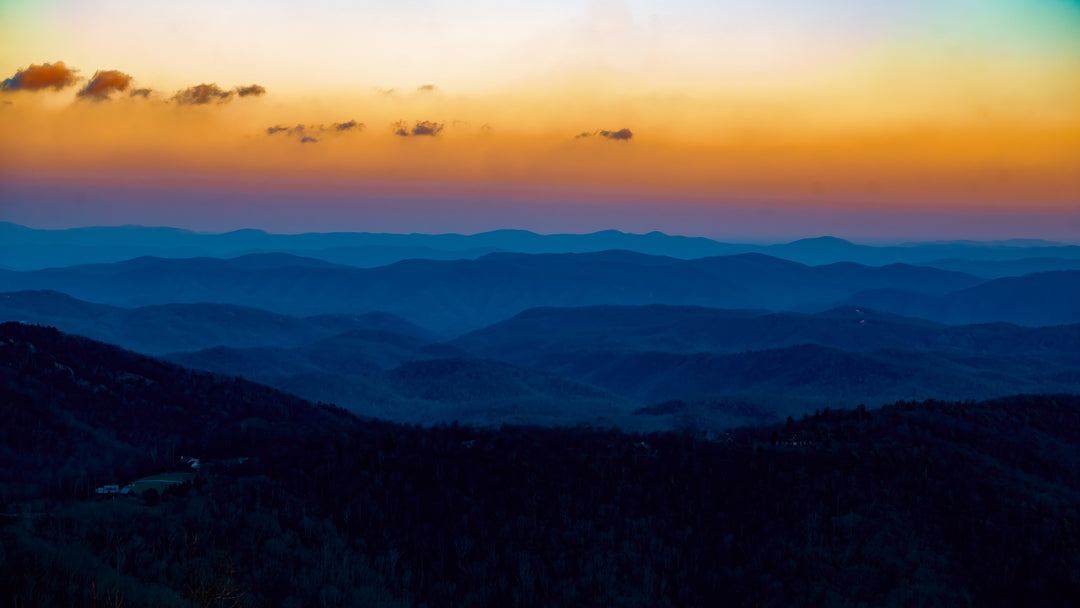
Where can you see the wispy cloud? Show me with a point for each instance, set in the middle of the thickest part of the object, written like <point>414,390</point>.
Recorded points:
<point>348,126</point>
<point>310,134</point>
<point>253,89</point>
<point>420,128</point>
<point>103,83</point>
<point>620,135</point>
<point>37,77</point>
<point>144,93</point>
<point>202,94</point>
<point>298,130</point>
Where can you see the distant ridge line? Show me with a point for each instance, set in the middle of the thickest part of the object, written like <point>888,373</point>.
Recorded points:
<point>24,248</point>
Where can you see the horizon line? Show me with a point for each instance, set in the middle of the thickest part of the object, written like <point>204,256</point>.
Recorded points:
<point>761,241</point>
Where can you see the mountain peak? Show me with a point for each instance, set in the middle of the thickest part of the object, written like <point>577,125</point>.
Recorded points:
<point>246,232</point>
<point>823,240</point>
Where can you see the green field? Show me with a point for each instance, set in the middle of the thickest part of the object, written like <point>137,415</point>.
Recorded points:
<point>159,482</point>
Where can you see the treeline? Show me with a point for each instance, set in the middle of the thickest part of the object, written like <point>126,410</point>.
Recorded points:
<point>916,504</point>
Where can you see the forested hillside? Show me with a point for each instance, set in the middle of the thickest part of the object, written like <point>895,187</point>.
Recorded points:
<point>922,504</point>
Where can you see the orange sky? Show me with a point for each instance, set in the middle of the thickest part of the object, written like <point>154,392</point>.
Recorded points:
<point>985,116</point>
<point>678,147</point>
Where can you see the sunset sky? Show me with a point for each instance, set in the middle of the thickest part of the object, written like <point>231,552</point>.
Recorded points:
<point>741,120</point>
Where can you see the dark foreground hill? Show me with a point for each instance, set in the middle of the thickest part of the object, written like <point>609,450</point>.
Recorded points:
<point>929,504</point>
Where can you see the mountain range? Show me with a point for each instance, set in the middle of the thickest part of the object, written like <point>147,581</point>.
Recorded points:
<point>23,248</point>
<point>845,356</point>
<point>622,337</point>
<point>599,364</point>
<point>454,296</point>
<point>536,334</point>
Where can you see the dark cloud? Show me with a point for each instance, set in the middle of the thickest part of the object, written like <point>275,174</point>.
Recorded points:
<point>298,130</point>
<point>422,127</point>
<point>352,125</point>
<point>250,90</point>
<point>427,88</point>
<point>620,135</point>
<point>427,128</point>
<point>310,134</point>
<point>103,83</point>
<point>144,93</point>
<point>37,77</point>
<point>201,94</point>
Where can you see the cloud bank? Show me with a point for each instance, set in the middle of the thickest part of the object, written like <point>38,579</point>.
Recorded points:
<point>37,77</point>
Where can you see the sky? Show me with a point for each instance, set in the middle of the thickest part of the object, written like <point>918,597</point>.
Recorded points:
<point>759,120</point>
